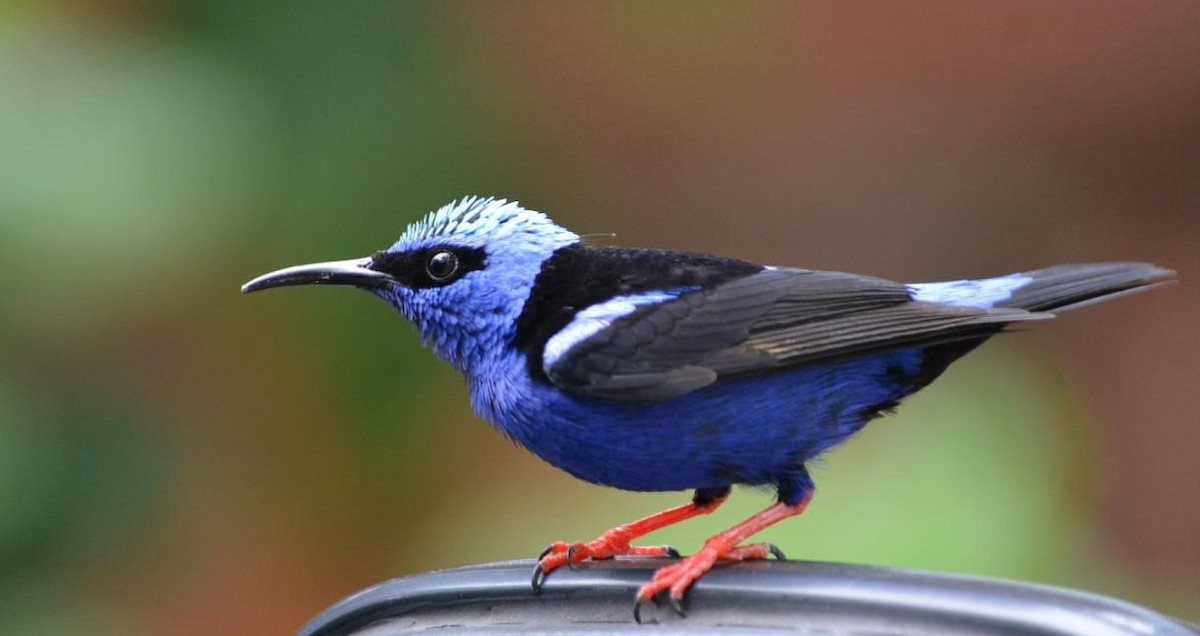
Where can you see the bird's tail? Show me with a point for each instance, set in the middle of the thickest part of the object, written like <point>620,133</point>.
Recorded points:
<point>1064,287</point>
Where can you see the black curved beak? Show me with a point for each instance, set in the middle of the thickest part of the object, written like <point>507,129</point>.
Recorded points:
<point>352,273</point>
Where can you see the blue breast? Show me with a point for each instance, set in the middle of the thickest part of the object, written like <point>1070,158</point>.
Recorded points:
<point>756,430</point>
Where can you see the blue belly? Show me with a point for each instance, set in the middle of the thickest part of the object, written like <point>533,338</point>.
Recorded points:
<point>757,430</point>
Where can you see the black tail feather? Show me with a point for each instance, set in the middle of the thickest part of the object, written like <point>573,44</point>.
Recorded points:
<point>1065,287</point>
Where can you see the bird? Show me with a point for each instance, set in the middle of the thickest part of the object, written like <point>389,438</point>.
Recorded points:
<point>656,370</point>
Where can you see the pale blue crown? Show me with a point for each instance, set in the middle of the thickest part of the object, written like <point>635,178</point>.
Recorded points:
<point>479,221</point>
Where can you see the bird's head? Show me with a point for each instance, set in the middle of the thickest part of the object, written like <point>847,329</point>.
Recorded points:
<point>461,275</point>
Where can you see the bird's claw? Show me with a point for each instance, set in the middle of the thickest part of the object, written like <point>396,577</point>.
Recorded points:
<point>561,553</point>
<point>547,550</point>
<point>637,610</point>
<point>556,555</point>
<point>674,602</point>
<point>754,552</point>
<point>571,551</point>
<point>539,577</point>
<point>543,569</point>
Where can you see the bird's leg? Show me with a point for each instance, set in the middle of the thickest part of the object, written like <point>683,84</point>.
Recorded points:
<point>615,542</point>
<point>678,577</point>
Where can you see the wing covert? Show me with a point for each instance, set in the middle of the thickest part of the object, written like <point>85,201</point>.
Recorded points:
<point>778,317</point>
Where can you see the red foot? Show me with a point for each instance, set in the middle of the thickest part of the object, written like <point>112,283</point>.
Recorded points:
<point>676,578</point>
<point>754,552</point>
<point>615,542</point>
<point>609,545</point>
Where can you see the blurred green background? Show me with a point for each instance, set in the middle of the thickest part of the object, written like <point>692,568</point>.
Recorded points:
<point>176,458</point>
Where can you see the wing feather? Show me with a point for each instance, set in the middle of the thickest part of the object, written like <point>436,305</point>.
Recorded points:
<point>774,318</point>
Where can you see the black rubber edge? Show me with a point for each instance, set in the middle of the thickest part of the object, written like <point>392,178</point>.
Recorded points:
<point>741,598</point>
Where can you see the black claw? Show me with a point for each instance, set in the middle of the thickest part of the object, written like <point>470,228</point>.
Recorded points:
<point>671,552</point>
<point>638,602</point>
<point>677,605</point>
<point>571,556</point>
<point>774,549</point>
<point>539,577</point>
<point>548,550</point>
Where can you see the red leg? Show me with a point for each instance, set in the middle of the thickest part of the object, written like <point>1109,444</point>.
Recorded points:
<point>679,576</point>
<point>615,542</point>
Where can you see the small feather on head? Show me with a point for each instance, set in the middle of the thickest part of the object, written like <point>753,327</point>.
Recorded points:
<point>477,218</point>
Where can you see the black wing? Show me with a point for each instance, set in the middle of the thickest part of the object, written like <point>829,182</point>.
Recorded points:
<point>756,323</point>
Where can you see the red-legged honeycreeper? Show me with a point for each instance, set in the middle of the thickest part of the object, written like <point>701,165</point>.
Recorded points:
<point>653,370</point>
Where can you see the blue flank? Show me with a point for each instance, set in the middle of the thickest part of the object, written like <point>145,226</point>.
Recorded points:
<point>983,294</point>
<point>758,430</point>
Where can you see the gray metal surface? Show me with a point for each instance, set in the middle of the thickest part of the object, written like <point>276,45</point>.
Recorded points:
<point>739,599</point>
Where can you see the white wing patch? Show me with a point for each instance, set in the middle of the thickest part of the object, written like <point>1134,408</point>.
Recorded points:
<point>983,294</point>
<point>590,321</point>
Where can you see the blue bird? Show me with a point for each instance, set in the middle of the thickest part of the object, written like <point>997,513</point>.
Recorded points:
<point>654,370</point>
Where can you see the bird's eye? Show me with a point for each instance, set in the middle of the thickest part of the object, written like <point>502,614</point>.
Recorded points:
<point>441,265</point>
